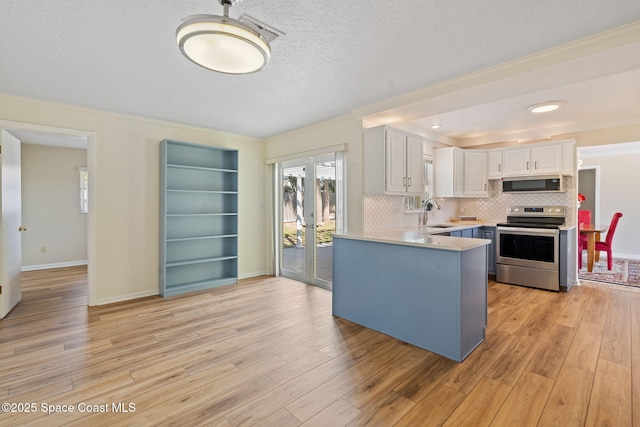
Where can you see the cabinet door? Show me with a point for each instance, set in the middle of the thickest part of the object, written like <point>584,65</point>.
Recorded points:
<point>395,165</point>
<point>517,162</point>
<point>415,168</point>
<point>448,166</point>
<point>490,234</point>
<point>467,232</point>
<point>495,164</point>
<point>458,172</point>
<point>546,159</point>
<point>475,173</point>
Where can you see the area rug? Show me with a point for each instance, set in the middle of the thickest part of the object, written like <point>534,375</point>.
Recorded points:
<point>624,271</point>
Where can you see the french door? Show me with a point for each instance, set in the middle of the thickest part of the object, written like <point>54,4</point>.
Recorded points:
<point>309,206</point>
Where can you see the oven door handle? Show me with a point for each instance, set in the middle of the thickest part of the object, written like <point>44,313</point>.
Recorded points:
<point>529,231</point>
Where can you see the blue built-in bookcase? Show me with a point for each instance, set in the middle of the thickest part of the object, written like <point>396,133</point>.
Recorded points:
<point>198,217</point>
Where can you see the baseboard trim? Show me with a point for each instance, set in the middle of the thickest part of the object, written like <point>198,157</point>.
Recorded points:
<point>53,265</point>
<point>255,274</point>
<point>127,297</point>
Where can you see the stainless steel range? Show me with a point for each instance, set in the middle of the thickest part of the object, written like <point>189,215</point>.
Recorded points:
<point>527,246</point>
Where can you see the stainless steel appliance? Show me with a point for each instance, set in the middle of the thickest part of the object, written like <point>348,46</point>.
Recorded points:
<point>533,184</point>
<point>527,246</point>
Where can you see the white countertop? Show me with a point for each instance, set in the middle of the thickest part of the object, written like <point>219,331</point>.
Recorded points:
<point>420,236</point>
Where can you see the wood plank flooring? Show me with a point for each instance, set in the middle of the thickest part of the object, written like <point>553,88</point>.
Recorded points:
<point>268,352</point>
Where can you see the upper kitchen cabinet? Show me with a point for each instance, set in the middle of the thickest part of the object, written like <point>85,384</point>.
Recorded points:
<point>460,173</point>
<point>539,159</point>
<point>495,164</point>
<point>393,162</point>
<point>475,173</point>
<point>448,166</point>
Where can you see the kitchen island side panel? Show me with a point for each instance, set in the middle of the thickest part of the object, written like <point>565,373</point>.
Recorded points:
<point>474,288</point>
<point>411,293</point>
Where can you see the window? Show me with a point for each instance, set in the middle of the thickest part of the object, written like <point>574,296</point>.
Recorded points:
<point>84,190</point>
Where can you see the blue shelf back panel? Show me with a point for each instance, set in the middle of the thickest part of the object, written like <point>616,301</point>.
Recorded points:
<point>198,217</point>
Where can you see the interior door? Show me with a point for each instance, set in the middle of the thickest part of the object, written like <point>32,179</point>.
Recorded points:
<point>10,227</point>
<point>308,202</point>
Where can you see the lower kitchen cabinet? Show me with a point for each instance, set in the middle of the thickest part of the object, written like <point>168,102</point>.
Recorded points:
<point>489,233</point>
<point>467,232</point>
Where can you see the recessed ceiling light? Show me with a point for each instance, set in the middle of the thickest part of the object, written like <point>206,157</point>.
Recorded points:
<point>545,107</point>
<point>435,126</point>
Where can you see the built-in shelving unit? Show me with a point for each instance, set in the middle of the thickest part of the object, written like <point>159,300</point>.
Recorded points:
<point>198,217</point>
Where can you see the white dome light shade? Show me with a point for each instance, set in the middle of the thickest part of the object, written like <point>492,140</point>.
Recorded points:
<point>223,44</point>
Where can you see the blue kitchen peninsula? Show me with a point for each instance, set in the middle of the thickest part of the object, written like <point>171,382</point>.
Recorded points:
<point>421,288</point>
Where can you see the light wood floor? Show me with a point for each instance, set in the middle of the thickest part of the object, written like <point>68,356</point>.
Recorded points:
<point>269,352</point>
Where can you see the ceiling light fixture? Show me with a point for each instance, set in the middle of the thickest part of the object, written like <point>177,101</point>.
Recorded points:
<point>435,126</point>
<point>223,44</point>
<point>545,107</point>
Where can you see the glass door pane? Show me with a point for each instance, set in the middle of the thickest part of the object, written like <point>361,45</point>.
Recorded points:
<point>308,211</point>
<point>293,259</point>
<point>325,219</point>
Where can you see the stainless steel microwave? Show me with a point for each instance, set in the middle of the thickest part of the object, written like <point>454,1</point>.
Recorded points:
<point>533,184</point>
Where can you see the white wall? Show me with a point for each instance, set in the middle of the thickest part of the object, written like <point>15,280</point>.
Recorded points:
<point>51,207</point>
<point>344,130</point>
<point>619,177</point>
<point>125,192</point>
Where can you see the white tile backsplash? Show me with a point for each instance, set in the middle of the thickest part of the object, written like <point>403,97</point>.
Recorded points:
<point>382,212</point>
<point>494,208</point>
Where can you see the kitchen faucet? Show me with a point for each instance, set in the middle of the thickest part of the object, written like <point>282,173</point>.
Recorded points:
<point>427,206</point>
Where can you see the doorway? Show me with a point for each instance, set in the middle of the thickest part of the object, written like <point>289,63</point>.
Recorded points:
<point>589,187</point>
<point>52,137</point>
<point>309,210</point>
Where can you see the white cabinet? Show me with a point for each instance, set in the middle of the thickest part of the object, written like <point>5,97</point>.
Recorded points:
<point>460,173</point>
<point>475,173</point>
<point>392,162</point>
<point>535,160</point>
<point>546,159</point>
<point>448,166</point>
<point>495,164</point>
<point>517,161</point>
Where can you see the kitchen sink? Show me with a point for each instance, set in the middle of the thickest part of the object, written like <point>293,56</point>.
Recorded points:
<point>442,226</point>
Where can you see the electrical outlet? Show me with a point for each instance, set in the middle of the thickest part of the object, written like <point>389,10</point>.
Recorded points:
<point>43,249</point>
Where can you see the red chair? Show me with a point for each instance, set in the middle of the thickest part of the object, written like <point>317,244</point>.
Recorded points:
<point>602,246</point>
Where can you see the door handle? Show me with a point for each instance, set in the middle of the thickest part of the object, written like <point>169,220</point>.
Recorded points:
<point>22,228</point>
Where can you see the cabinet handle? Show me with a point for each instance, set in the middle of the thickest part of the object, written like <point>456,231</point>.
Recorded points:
<point>409,179</point>
<point>535,164</point>
<point>527,165</point>
<point>485,187</point>
<point>499,167</point>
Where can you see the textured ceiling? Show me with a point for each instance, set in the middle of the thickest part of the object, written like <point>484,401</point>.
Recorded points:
<point>336,56</point>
